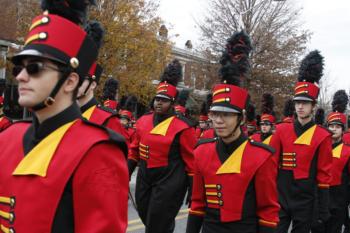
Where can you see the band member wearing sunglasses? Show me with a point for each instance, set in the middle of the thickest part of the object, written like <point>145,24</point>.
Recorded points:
<point>60,173</point>
<point>163,146</point>
<point>305,159</point>
<point>267,120</point>
<point>234,186</point>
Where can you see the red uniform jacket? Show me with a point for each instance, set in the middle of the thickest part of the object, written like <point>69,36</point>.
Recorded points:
<point>199,132</point>
<point>341,155</point>
<point>130,135</point>
<point>288,120</point>
<point>297,153</point>
<point>100,116</point>
<point>31,186</point>
<point>223,186</point>
<point>257,137</point>
<point>4,123</point>
<point>208,133</point>
<point>112,104</point>
<point>152,144</point>
<point>346,137</point>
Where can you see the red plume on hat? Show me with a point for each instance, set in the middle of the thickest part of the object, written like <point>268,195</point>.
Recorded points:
<point>339,104</point>
<point>169,80</point>
<point>310,73</point>
<point>229,96</point>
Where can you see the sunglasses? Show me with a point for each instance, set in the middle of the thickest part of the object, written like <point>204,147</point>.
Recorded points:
<point>33,69</point>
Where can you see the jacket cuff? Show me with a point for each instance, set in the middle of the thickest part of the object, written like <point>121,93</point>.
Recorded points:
<point>267,226</point>
<point>194,223</point>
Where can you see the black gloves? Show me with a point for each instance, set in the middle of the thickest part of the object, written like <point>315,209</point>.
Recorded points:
<point>131,166</point>
<point>189,191</point>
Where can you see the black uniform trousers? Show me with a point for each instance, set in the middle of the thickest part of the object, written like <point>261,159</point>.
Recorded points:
<point>159,195</point>
<point>297,198</point>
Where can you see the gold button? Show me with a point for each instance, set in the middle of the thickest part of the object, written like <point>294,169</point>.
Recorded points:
<point>221,203</point>
<point>45,20</point>
<point>12,202</point>
<point>218,186</point>
<point>74,62</point>
<point>42,35</point>
<point>219,194</point>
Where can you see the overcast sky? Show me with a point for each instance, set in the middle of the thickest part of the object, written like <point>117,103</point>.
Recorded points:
<point>328,20</point>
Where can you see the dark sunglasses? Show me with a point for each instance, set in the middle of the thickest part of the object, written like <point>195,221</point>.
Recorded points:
<point>32,69</point>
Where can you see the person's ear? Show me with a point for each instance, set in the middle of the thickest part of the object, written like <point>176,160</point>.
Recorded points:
<point>71,82</point>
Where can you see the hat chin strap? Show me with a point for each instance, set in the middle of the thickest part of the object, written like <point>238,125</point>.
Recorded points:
<point>50,100</point>
<point>236,127</point>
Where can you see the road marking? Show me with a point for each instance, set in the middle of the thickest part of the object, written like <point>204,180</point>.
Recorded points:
<point>132,227</point>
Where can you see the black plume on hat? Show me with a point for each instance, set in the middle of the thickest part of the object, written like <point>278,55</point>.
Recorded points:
<point>267,103</point>
<point>172,73</point>
<point>96,32</point>
<point>250,112</point>
<point>311,68</point>
<point>340,101</point>
<point>289,109</point>
<point>206,104</point>
<point>73,10</point>
<point>320,116</point>
<point>183,97</point>
<point>130,103</point>
<point>110,89</point>
<point>234,60</point>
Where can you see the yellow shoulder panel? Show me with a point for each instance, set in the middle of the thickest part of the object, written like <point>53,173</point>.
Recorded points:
<point>233,163</point>
<point>37,161</point>
<point>162,127</point>
<point>306,137</point>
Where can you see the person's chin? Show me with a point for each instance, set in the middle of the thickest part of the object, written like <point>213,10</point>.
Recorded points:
<point>221,132</point>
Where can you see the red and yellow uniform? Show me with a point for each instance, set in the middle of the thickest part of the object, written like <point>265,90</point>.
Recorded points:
<point>97,114</point>
<point>234,187</point>
<point>209,133</point>
<point>339,187</point>
<point>259,137</point>
<point>74,183</point>
<point>163,146</point>
<point>304,167</point>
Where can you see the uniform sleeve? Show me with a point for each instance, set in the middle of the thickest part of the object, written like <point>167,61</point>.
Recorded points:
<point>275,143</point>
<point>267,196</point>
<point>133,153</point>
<point>324,164</point>
<point>114,124</point>
<point>100,191</point>
<point>198,203</point>
<point>187,144</point>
